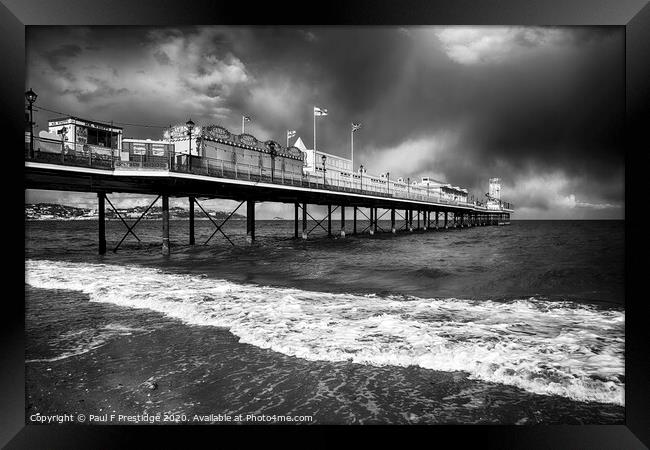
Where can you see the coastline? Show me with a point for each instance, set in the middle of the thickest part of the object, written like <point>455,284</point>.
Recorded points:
<point>205,370</point>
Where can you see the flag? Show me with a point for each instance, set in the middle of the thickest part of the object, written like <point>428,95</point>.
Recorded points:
<point>246,118</point>
<point>355,126</point>
<point>291,133</point>
<point>319,111</point>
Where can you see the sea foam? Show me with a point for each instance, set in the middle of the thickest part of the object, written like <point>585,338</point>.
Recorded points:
<point>550,348</point>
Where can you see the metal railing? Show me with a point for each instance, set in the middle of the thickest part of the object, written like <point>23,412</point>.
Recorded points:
<point>65,153</point>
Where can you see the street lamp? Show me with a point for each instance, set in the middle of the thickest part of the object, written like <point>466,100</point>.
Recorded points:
<point>31,98</point>
<point>190,127</point>
<point>273,152</point>
<point>361,173</point>
<point>388,182</point>
<point>324,158</point>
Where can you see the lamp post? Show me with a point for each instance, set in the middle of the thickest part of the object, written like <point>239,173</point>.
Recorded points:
<point>31,98</point>
<point>388,182</point>
<point>190,127</point>
<point>272,152</point>
<point>361,173</point>
<point>323,158</point>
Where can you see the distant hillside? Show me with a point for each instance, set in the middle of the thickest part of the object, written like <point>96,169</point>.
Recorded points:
<point>50,211</point>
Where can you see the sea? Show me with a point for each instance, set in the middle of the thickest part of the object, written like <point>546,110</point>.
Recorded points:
<point>517,324</point>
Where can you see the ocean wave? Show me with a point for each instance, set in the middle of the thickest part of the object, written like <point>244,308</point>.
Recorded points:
<point>551,348</point>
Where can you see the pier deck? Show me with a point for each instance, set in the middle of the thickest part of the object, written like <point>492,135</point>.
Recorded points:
<point>244,183</point>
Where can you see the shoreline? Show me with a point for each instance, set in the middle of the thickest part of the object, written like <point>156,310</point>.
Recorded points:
<point>206,370</point>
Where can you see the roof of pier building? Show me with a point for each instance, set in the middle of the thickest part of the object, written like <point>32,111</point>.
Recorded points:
<point>219,134</point>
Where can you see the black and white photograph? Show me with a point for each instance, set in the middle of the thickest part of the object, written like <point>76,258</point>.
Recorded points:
<point>330,225</point>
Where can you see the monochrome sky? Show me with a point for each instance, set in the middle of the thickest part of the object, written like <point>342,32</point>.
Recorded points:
<point>541,108</point>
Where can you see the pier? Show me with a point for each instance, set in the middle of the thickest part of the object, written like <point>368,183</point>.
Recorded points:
<point>199,178</point>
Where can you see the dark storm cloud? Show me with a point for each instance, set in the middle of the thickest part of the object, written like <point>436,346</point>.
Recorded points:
<point>540,107</point>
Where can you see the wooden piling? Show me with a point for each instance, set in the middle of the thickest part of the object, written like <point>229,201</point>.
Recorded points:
<point>101,197</point>
<point>304,220</point>
<point>329,220</point>
<point>250,221</point>
<point>165,225</point>
<point>354,220</point>
<point>192,221</point>
<point>295,222</point>
<point>375,220</point>
<point>392,221</point>
<point>342,221</point>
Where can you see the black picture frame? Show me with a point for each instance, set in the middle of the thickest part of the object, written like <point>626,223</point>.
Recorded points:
<point>634,15</point>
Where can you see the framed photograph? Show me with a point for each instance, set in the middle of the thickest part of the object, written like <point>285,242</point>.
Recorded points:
<point>416,218</point>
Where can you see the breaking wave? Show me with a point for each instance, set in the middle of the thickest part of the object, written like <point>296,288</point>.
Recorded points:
<point>550,348</point>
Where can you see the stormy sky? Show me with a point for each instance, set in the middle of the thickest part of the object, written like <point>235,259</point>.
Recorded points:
<point>541,108</point>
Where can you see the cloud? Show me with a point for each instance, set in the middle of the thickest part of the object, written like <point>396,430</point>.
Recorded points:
<point>486,45</point>
<point>542,108</point>
<point>413,157</point>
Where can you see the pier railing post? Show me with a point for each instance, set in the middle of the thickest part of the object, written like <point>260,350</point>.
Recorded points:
<point>165,225</point>
<point>304,220</point>
<point>191,220</point>
<point>101,197</point>
<point>250,221</point>
<point>392,221</point>
<point>342,221</point>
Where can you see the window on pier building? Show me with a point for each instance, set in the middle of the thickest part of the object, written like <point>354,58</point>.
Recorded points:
<point>101,138</point>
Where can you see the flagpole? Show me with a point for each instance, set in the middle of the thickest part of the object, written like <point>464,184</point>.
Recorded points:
<point>314,138</point>
<point>352,147</point>
<point>242,124</point>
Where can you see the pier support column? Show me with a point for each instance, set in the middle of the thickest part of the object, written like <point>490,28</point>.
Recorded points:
<point>410,220</point>
<point>342,221</point>
<point>392,221</point>
<point>406,219</point>
<point>191,220</point>
<point>354,220</point>
<point>304,220</point>
<point>418,228</point>
<point>374,221</point>
<point>446,220</point>
<point>165,225</point>
<point>437,219</point>
<point>329,220</point>
<point>101,197</point>
<point>462,221</point>
<point>250,221</point>
<point>295,222</point>
<point>371,229</point>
